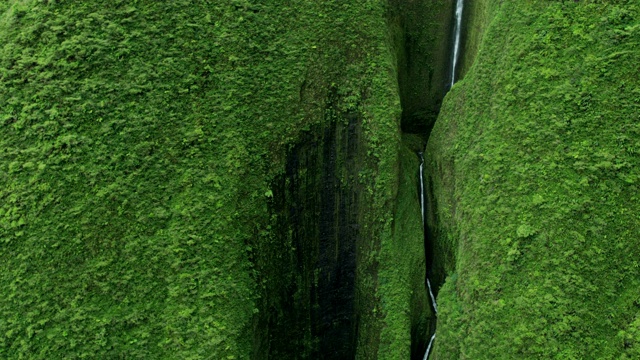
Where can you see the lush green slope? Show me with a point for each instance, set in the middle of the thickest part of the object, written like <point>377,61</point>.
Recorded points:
<point>534,165</point>
<point>139,146</point>
<point>149,165</point>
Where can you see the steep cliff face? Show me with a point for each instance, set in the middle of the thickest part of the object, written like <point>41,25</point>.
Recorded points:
<point>350,281</point>
<point>311,299</point>
<point>234,179</point>
<point>195,180</point>
<point>421,34</point>
<point>533,168</point>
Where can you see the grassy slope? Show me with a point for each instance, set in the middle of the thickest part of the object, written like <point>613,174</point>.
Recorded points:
<point>476,17</point>
<point>137,149</point>
<point>535,162</point>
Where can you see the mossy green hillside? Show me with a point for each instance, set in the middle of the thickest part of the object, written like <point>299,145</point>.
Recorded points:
<point>139,146</point>
<point>476,17</point>
<point>534,171</point>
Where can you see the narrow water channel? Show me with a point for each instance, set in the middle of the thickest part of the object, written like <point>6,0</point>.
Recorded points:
<point>457,30</point>
<point>431,295</point>
<point>455,54</point>
<point>426,354</point>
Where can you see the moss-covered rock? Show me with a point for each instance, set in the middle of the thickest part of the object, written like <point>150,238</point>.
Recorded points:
<point>421,33</point>
<point>143,147</point>
<point>229,179</point>
<point>534,173</point>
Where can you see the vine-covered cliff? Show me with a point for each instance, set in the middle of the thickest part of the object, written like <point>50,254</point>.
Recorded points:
<point>534,181</point>
<point>238,179</point>
<point>197,179</point>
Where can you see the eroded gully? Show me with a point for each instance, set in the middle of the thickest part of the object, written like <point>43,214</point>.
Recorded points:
<point>457,30</point>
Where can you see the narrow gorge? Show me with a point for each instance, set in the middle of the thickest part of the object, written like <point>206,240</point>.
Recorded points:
<point>236,179</point>
<point>455,53</point>
<point>339,294</point>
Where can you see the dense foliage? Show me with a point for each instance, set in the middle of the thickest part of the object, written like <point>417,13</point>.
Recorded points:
<point>139,142</point>
<point>142,144</point>
<point>535,166</point>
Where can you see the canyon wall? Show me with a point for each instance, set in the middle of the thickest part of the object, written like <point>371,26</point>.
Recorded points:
<point>533,166</point>
<point>207,180</point>
<point>236,179</point>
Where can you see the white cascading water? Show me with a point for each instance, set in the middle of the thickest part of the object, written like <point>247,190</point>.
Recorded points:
<point>426,354</point>
<point>433,298</point>
<point>456,39</point>
<point>421,187</point>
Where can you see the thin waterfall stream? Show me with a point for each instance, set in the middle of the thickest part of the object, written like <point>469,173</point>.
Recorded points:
<point>431,295</point>
<point>433,298</point>
<point>422,197</point>
<point>457,30</point>
<point>426,353</point>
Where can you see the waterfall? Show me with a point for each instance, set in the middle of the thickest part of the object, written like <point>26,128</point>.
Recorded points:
<point>426,354</point>
<point>421,187</point>
<point>457,30</point>
<point>456,40</point>
<point>433,298</point>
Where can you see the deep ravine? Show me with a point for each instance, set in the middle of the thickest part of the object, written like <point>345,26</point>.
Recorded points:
<point>431,295</point>
<point>455,54</point>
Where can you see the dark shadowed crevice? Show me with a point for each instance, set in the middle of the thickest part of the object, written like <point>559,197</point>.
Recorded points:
<point>314,307</point>
<point>309,306</point>
<point>334,291</point>
<point>421,39</point>
<point>424,40</point>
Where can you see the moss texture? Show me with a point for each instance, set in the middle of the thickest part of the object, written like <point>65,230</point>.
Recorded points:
<point>141,153</point>
<point>403,300</point>
<point>534,173</point>
<point>229,179</point>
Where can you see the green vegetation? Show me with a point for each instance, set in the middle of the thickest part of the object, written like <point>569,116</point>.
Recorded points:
<point>140,146</point>
<point>421,32</point>
<point>476,17</point>
<point>402,272</point>
<point>534,163</point>
<point>149,165</point>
